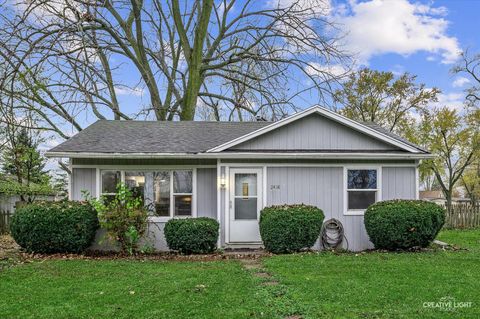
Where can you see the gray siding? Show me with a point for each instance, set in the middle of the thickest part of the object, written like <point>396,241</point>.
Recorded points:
<point>207,192</point>
<point>398,183</point>
<point>314,132</point>
<point>83,179</point>
<point>321,187</point>
<point>143,161</point>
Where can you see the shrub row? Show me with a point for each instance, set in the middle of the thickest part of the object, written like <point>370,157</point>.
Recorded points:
<point>54,227</point>
<point>402,224</point>
<point>192,235</point>
<point>68,226</point>
<point>290,228</point>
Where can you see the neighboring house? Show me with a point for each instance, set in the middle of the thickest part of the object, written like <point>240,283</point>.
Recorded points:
<point>439,198</point>
<point>231,170</point>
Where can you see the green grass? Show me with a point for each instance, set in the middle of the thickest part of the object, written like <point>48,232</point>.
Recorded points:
<point>369,285</point>
<point>384,285</point>
<point>102,289</point>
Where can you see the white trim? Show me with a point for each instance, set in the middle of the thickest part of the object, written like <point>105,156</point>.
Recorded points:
<point>226,191</point>
<point>194,193</point>
<point>328,114</point>
<point>156,219</point>
<point>311,165</point>
<point>70,177</point>
<point>230,194</point>
<point>98,182</point>
<point>378,168</point>
<point>219,202</point>
<point>142,167</point>
<point>167,167</point>
<point>264,182</point>
<point>417,181</point>
<point>246,155</point>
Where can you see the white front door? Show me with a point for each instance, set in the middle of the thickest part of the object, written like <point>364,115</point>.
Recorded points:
<point>245,205</point>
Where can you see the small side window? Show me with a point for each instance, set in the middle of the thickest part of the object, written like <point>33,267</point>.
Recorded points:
<point>362,188</point>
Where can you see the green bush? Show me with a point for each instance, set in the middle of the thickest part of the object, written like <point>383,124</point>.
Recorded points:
<point>124,217</point>
<point>290,228</point>
<point>192,235</point>
<point>54,227</point>
<point>403,224</point>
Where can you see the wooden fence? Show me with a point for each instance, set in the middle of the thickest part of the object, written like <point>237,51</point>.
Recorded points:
<point>5,216</point>
<point>463,215</point>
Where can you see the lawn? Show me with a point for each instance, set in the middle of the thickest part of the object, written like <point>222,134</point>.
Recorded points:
<point>369,285</point>
<point>384,285</point>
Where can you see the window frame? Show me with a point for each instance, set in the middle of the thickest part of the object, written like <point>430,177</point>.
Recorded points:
<point>378,190</point>
<point>172,193</point>
<point>122,178</point>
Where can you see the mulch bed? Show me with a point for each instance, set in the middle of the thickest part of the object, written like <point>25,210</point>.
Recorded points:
<point>11,253</point>
<point>102,255</point>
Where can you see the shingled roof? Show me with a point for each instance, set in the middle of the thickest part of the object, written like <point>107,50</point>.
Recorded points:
<point>155,136</point>
<point>192,137</point>
<point>383,130</point>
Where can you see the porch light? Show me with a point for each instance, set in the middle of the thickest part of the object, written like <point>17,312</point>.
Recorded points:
<point>223,182</point>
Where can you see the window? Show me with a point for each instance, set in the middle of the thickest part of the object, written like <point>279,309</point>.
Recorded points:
<point>182,193</point>
<point>161,193</point>
<point>362,189</point>
<point>110,180</point>
<point>165,193</point>
<point>135,181</point>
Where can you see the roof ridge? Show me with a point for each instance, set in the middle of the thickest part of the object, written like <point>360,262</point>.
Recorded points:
<point>194,121</point>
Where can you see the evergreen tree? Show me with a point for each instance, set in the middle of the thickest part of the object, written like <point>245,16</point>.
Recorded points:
<point>22,160</point>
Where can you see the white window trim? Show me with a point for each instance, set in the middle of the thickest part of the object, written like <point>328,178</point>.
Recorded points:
<point>360,212</point>
<point>156,219</point>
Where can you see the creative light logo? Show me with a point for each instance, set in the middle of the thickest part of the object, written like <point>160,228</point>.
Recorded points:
<point>447,304</point>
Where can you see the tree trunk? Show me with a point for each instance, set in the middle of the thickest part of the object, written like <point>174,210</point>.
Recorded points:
<point>448,198</point>
<point>194,57</point>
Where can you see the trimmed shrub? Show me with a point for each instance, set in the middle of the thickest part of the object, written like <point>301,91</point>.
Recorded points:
<point>192,235</point>
<point>403,224</point>
<point>290,228</point>
<point>54,227</point>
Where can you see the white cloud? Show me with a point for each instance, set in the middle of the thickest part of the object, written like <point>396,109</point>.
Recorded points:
<point>396,26</point>
<point>460,81</point>
<point>314,8</point>
<point>318,70</point>
<point>452,100</point>
<point>123,90</point>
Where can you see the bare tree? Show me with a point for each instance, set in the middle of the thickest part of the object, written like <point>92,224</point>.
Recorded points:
<point>70,58</point>
<point>470,66</point>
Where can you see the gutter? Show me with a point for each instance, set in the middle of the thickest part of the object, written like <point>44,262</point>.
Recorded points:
<point>245,155</point>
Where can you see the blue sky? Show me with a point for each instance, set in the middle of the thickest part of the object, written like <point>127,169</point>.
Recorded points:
<point>419,37</point>
<point>451,21</point>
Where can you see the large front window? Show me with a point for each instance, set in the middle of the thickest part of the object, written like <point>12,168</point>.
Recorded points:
<point>362,190</point>
<point>166,193</point>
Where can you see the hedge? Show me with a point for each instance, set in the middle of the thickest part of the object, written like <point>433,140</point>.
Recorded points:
<point>54,227</point>
<point>290,228</point>
<point>192,235</point>
<point>403,224</point>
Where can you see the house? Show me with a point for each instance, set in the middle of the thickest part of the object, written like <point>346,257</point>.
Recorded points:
<point>230,170</point>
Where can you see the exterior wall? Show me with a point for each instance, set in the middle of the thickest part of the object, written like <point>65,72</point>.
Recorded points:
<point>314,132</point>
<point>83,179</point>
<point>207,192</point>
<point>324,188</point>
<point>319,184</point>
<point>398,183</point>
<point>206,197</point>
<point>321,187</point>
